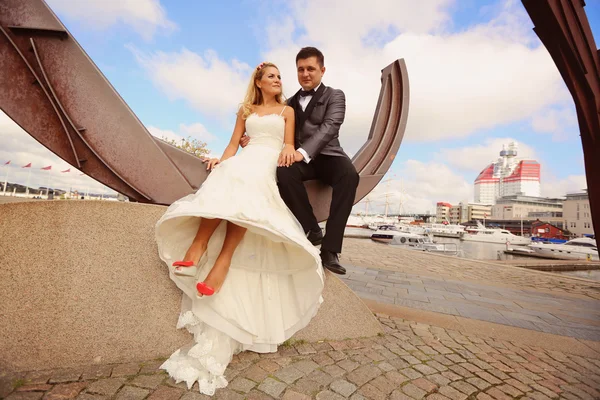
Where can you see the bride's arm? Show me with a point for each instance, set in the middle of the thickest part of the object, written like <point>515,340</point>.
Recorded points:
<point>286,158</point>
<point>238,131</point>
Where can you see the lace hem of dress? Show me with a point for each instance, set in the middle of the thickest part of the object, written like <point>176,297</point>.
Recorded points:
<point>204,360</point>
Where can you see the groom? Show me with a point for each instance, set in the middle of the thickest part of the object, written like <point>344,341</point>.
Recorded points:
<point>319,111</point>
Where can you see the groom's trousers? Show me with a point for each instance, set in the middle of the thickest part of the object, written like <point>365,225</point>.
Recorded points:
<point>335,171</point>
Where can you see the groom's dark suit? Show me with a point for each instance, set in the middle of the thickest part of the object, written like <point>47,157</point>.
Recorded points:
<point>317,131</point>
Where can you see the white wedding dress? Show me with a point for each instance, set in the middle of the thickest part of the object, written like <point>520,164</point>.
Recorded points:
<point>274,285</point>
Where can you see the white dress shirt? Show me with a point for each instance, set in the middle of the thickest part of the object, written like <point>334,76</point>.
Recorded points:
<point>303,101</point>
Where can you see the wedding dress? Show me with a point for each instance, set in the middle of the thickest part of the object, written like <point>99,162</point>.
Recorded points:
<point>274,284</point>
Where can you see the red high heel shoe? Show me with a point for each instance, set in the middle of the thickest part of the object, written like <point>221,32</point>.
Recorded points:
<point>204,289</point>
<point>189,269</point>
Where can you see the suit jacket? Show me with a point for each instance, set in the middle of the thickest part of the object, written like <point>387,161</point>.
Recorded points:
<point>317,128</point>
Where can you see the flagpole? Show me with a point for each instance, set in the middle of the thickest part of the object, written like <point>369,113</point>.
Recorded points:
<point>5,179</point>
<point>27,186</point>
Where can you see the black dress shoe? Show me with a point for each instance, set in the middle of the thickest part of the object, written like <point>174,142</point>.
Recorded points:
<point>331,262</point>
<point>315,237</point>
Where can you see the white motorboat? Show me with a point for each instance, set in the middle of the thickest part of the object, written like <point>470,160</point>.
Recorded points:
<point>575,249</point>
<point>493,235</point>
<point>446,230</point>
<point>385,233</point>
<point>394,235</point>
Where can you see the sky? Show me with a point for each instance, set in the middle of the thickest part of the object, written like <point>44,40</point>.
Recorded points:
<point>479,78</point>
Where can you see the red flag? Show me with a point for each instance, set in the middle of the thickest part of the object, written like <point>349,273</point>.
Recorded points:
<point>27,166</point>
<point>48,168</point>
<point>66,170</point>
<point>6,163</point>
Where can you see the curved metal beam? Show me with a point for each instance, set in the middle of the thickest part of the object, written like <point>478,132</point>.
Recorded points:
<point>563,28</point>
<point>116,149</point>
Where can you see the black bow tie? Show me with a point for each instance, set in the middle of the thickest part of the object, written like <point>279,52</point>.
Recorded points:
<point>304,93</point>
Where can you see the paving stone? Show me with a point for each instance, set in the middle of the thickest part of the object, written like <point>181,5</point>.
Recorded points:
<point>166,393</point>
<point>464,387</point>
<point>87,396</point>
<point>291,395</point>
<point>460,371</point>
<point>452,393</point>
<point>511,390</point>
<point>272,387</point>
<point>125,370</point>
<point>35,377</point>
<point>398,395</point>
<point>241,385</point>
<point>334,371</point>
<point>398,363</point>
<point>256,374</point>
<point>305,349</point>
<point>425,369</point>
<point>343,387</point>
<point>323,359</point>
<point>488,377</point>
<point>337,355</point>
<point>195,396</point>
<point>289,374</point>
<point>97,372</point>
<point>148,381</point>
<point>65,391</point>
<point>383,384</point>
<point>439,379</point>
<point>307,386</point>
<point>106,387</point>
<point>228,394</point>
<point>411,373</point>
<point>498,394</point>
<point>425,384</point>
<point>253,395</point>
<point>321,377</point>
<point>436,396</point>
<point>65,375</point>
<point>413,391</point>
<point>34,388</point>
<point>329,395</point>
<point>479,383</point>
<point>25,396</point>
<point>348,365</point>
<point>363,374</point>
<point>268,365</point>
<point>152,367</point>
<point>371,392</point>
<point>132,393</point>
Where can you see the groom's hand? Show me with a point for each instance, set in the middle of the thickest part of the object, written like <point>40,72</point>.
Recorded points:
<point>244,140</point>
<point>298,156</point>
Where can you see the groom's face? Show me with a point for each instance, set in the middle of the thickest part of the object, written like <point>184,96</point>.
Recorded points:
<point>310,73</point>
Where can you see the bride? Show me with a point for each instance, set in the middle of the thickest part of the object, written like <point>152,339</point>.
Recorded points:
<point>250,277</point>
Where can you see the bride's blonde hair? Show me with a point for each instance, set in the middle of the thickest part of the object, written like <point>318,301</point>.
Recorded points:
<point>254,96</point>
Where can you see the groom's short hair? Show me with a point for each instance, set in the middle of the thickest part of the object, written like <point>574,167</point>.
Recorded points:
<point>307,52</point>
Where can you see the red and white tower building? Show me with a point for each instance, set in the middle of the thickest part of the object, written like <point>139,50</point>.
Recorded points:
<point>508,176</point>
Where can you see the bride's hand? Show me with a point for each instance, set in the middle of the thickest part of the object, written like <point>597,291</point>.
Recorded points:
<point>212,163</point>
<point>286,157</point>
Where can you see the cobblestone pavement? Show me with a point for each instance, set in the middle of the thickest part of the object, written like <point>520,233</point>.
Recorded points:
<point>368,254</point>
<point>409,361</point>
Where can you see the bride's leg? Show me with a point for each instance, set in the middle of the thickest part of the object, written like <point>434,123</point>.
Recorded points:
<point>200,243</point>
<point>218,273</point>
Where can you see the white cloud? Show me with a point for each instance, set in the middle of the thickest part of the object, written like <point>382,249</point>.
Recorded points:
<point>475,158</point>
<point>559,187</point>
<point>21,149</point>
<point>213,86</point>
<point>144,16</point>
<point>416,187</point>
<point>485,76</point>
<point>561,122</point>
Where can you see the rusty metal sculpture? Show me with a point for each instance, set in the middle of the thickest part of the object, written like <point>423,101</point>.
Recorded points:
<point>53,90</point>
<point>563,28</point>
